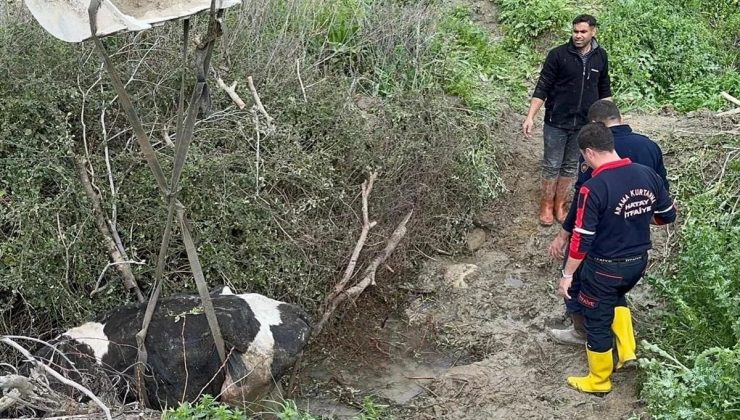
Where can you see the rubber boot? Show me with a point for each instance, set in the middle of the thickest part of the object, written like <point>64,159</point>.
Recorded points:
<point>573,335</point>
<point>598,381</point>
<point>562,204</point>
<point>624,337</point>
<point>547,198</point>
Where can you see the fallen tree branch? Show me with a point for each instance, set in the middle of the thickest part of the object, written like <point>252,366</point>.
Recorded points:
<point>231,91</point>
<point>58,376</point>
<point>369,278</point>
<point>129,281</point>
<point>367,188</point>
<point>340,292</point>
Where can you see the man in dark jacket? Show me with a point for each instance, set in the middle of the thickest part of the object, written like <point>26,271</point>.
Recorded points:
<point>611,237</point>
<point>574,76</point>
<point>639,149</point>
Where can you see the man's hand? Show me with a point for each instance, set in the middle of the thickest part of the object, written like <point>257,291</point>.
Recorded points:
<point>564,286</point>
<point>557,246</point>
<point>527,127</point>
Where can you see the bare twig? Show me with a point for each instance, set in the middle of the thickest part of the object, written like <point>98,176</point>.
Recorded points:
<point>66,250</point>
<point>97,287</point>
<point>167,138</point>
<point>231,91</point>
<point>258,102</point>
<point>367,188</point>
<point>256,121</point>
<point>298,71</point>
<point>111,183</point>
<point>184,359</point>
<point>369,278</point>
<point>57,376</point>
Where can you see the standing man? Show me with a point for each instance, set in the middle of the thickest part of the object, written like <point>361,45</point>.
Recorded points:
<point>638,149</point>
<point>610,241</point>
<point>574,76</point>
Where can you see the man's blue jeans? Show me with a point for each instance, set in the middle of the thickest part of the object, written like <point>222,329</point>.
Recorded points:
<point>561,153</point>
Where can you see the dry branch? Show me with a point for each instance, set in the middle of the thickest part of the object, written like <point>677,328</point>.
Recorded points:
<point>730,98</point>
<point>298,71</point>
<point>341,292</point>
<point>258,102</point>
<point>128,277</point>
<point>167,138</point>
<point>231,91</point>
<point>56,376</point>
<point>728,113</point>
<point>367,188</point>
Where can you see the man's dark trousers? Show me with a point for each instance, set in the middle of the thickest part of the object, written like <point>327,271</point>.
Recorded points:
<point>604,284</point>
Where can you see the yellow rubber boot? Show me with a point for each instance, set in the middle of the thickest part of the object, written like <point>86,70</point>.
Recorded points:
<point>625,337</point>
<point>598,380</point>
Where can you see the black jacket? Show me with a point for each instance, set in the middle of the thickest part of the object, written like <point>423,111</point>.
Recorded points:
<point>615,207</point>
<point>627,144</point>
<point>569,87</point>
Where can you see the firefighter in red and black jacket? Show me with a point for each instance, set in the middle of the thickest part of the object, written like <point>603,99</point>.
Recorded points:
<point>639,149</point>
<point>609,244</point>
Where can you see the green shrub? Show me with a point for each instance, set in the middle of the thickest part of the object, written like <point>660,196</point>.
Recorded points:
<point>710,389</point>
<point>704,292</point>
<point>371,410</point>
<point>281,225</point>
<point>661,53</point>
<point>693,372</point>
<point>524,20</point>
<point>475,68</point>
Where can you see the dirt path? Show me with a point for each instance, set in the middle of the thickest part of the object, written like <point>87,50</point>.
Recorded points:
<point>503,314</point>
<point>477,348</point>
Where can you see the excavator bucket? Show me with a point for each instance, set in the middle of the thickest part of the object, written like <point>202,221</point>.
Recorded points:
<point>68,19</point>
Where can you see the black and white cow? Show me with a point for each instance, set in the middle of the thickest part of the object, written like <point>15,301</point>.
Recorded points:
<point>263,339</point>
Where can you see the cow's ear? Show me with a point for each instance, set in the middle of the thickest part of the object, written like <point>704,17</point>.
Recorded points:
<point>221,290</point>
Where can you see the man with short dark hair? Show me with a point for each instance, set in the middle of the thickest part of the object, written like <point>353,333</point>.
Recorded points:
<point>611,237</point>
<point>639,149</point>
<point>574,76</point>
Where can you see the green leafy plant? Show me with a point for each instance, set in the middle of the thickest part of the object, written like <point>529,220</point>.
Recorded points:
<point>371,410</point>
<point>289,411</point>
<point>206,408</point>
<point>710,389</point>
<point>694,362</point>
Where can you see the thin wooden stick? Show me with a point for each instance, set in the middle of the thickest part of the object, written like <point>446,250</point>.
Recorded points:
<point>369,275</point>
<point>298,70</point>
<point>367,188</point>
<point>258,101</point>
